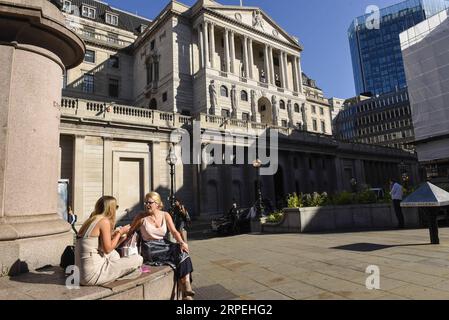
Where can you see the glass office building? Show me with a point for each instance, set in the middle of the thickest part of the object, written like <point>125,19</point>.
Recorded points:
<point>376,53</point>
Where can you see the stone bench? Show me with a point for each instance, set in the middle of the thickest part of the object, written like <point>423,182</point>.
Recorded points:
<point>49,284</point>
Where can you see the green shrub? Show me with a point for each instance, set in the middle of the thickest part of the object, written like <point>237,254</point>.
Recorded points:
<point>366,197</point>
<point>275,217</point>
<point>293,201</point>
<point>343,198</point>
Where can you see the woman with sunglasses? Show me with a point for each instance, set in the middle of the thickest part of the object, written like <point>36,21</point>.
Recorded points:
<point>156,250</point>
<point>95,254</point>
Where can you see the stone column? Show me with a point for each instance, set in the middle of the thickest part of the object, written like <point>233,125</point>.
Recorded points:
<point>272,76</point>
<point>107,165</point>
<point>226,43</point>
<point>299,73</point>
<point>35,50</point>
<point>282,69</point>
<point>206,44</point>
<point>156,165</point>
<point>267,64</point>
<point>212,45</point>
<point>251,58</point>
<point>287,82</point>
<point>296,75</point>
<point>200,47</point>
<point>245,57</point>
<point>233,52</point>
<point>78,176</point>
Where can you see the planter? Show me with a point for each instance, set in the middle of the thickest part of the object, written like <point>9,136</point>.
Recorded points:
<point>339,218</point>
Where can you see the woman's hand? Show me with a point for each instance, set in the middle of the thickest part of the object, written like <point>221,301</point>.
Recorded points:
<point>124,230</point>
<point>185,247</point>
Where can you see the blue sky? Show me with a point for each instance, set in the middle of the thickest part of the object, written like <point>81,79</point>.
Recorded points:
<point>321,26</point>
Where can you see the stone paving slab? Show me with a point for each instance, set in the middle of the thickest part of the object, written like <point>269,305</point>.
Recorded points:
<point>325,266</point>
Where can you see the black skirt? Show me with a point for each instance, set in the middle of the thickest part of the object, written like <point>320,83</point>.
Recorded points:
<point>165,253</point>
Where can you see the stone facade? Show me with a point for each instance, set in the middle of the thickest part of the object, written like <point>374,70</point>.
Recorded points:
<point>230,69</point>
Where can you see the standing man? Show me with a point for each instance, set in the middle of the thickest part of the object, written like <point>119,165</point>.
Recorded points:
<point>397,194</point>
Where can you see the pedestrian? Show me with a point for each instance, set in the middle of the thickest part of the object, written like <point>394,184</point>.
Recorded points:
<point>153,224</point>
<point>396,195</point>
<point>95,255</point>
<point>181,218</point>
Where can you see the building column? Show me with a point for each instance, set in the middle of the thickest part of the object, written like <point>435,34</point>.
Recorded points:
<point>212,45</point>
<point>200,47</point>
<point>78,177</point>
<point>270,57</point>
<point>245,57</point>
<point>155,165</point>
<point>107,165</point>
<point>267,65</point>
<point>206,44</point>
<point>233,52</point>
<point>296,75</point>
<point>287,82</point>
<point>226,43</point>
<point>251,59</point>
<point>300,74</point>
<point>282,69</point>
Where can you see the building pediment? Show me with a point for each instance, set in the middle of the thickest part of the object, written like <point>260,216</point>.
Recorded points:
<point>257,19</point>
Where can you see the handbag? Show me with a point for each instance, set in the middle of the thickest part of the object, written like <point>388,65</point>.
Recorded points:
<point>130,246</point>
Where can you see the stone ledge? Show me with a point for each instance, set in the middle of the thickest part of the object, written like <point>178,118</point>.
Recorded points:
<point>49,284</point>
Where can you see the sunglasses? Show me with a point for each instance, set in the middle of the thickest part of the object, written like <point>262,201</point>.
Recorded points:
<point>149,202</point>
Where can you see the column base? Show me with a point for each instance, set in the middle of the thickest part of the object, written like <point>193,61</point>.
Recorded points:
<point>34,244</point>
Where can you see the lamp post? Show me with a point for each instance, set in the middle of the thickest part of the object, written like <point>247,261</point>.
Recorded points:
<point>257,164</point>
<point>171,161</point>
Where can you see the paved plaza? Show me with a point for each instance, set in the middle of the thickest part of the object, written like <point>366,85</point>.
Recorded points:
<point>322,266</point>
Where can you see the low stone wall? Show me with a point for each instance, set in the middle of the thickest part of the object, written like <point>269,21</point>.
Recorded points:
<point>50,284</point>
<point>336,218</point>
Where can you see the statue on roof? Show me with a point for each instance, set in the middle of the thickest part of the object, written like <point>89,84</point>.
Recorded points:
<point>258,20</point>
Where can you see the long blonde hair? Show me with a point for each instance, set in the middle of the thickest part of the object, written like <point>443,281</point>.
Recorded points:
<point>106,207</point>
<point>156,197</point>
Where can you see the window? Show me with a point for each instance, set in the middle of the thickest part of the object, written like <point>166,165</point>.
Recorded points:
<point>315,125</point>
<point>89,56</point>
<point>244,95</point>
<point>164,97</point>
<point>282,105</point>
<point>88,32</point>
<point>284,123</point>
<point>153,104</point>
<point>112,37</point>
<point>297,108</point>
<point>113,88</point>
<point>225,113</point>
<point>88,83</point>
<point>149,73</point>
<point>321,111</point>
<point>89,12</point>
<point>114,62</point>
<point>224,91</point>
<point>245,116</point>
<point>323,127</point>
<point>112,19</point>
<point>67,6</point>
<point>313,109</point>
<point>152,44</point>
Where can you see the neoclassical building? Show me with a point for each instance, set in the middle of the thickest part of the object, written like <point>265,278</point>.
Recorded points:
<point>229,69</point>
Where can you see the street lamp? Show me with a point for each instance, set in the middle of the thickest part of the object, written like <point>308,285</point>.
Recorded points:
<point>257,164</point>
<point>171,161</point>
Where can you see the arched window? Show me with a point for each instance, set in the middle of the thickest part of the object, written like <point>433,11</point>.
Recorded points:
<point>282,105</point>
<point>244,95</point>
<point>153,104</point>
<point>224,91</point>
<point>296,108</point>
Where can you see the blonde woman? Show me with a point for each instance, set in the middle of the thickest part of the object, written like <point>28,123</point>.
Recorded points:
<point>95,254</point>
<point>153,225</point>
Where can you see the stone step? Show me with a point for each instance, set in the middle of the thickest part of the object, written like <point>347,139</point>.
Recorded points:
<point>50,284</point>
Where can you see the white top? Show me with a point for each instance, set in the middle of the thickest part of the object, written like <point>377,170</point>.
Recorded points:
<point>397,192</point>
